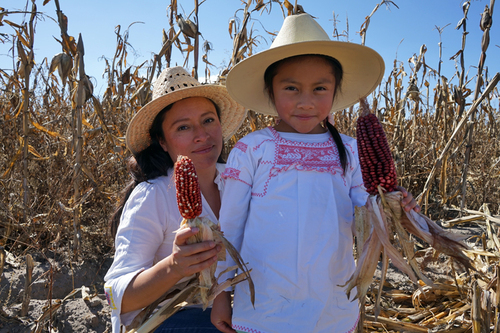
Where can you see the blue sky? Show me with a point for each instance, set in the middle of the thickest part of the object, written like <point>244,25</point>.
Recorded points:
<point>394,33</point>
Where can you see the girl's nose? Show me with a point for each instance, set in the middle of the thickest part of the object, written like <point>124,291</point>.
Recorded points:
<point>305,101</point>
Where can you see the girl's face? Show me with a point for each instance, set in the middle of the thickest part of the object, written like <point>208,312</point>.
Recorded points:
<point>303,92</point>
<point>192,128</point>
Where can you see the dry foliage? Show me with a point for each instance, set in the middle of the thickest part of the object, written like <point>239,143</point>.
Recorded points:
<point>62,153</point>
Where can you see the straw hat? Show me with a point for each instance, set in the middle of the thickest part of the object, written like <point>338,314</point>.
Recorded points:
<point>172,85</point>
<point>300,34</point>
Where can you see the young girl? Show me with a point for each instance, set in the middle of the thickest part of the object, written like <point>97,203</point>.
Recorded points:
<point>290,190</point>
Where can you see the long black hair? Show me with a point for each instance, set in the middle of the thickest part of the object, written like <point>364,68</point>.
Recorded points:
<point>148,164</point>
<point>337,71</point>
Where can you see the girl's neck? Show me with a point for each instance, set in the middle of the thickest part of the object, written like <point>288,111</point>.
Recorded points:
<point>284,127</point>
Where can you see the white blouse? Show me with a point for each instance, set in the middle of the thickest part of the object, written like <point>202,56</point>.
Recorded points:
<point>145,236</point>
<point>289,208</point>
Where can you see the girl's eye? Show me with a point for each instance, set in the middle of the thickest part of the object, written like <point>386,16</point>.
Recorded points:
<point>291,88</point>
<point>321,88</point>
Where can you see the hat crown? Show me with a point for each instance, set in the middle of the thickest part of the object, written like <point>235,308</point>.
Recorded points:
<point>299,28</point>
<point>173,79</point>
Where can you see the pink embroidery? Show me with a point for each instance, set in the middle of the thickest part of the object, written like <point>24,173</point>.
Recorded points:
<point>347,145</point>
<point>288,155</point>
<point>233,174</point>
<point>260,144</point>
<point>360,185</point>
<point>241,146</point>
<point>355,325</point>
<point>246,329</point>
<point>308,157</point>
<point>251,330</point>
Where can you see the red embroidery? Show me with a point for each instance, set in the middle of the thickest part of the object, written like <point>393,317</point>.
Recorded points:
<point>355,325</point>
<point>241,146</point>
<point>246,329</point>
<point>302,156</point>
<point>233,174</point>
<point>322,157</point>
<point>308,157</point>
<point>252,330</point>
<point>347,145</point>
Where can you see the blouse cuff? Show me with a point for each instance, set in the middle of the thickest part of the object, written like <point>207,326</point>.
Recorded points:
<point>114,290</point>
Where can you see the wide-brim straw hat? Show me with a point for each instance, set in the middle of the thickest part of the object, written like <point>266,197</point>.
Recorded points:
<point>363,68</point>
<point>172,85</point>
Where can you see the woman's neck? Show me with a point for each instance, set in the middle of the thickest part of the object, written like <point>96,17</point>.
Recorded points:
<point>209,189</point>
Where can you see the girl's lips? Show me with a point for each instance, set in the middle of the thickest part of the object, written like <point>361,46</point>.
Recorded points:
<point>203,150</point>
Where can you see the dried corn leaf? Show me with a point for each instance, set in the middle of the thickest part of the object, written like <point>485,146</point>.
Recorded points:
<point>47,131</point>
<point>13,162</point>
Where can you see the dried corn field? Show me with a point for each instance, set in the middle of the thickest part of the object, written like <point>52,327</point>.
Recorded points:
<point>62,164</point>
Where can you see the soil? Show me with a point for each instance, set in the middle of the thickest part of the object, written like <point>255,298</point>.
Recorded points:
<point>55,278</point>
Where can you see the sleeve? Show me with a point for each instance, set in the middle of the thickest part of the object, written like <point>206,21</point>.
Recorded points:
<point>238,180</point>
<point>358,192</point>
<point>140,234</point>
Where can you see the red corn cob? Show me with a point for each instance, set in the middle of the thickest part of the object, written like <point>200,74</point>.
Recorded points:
<point>190,207</point>
<point>188,188</point>
<point>377,165</point>
<point>382,226</point>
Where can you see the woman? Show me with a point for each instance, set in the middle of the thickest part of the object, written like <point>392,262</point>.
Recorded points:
<point>184,118</point>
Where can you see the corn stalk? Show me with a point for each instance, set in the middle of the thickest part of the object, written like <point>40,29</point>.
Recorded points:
<point>485,25</point>
<point>472,109</point>
<point>80,98</point>
<point>196,40</point>
<point>24,72</point>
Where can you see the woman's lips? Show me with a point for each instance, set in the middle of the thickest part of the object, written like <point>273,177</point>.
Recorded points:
<point>203,150</point>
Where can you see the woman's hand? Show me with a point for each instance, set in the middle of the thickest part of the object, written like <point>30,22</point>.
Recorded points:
<point>185,260</point>
<point>221,313</point>
<point>188,259</point>
<point>408,202</point>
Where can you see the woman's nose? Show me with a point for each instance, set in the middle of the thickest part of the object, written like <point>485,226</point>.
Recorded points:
<point>200,134</point>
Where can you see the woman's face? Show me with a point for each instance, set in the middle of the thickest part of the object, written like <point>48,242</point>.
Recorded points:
<point>192,128</point>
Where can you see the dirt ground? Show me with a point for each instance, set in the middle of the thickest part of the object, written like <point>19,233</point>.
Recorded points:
<point>74,314</point>
<point>91,313</point>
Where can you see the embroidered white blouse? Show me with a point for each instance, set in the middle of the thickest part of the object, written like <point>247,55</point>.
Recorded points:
<point>145,236</point>
<point>288,208</point>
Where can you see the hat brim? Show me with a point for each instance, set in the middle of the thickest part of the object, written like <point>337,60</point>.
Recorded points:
<point>363,70</point>
<point>232,114</point>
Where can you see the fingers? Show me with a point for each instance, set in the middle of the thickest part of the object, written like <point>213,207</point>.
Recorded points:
<point>408,202</point>
<point>221,313</point>
<point>224,327</point>
<point>402,190</point>
<point>188,259</point>
<point>202,260</point>
<point>183,234</point>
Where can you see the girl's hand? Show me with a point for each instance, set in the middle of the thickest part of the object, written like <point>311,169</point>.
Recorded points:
<point>221,313</point>
<point>408,203</point>
<point>188,259</point>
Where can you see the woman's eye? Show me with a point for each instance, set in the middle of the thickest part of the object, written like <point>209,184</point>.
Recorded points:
<point>182,128</point>
<point>209,120</point>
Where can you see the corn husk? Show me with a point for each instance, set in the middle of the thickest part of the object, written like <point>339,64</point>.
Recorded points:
<point>389,238</point>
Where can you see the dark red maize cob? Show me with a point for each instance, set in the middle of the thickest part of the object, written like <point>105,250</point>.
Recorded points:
<point>188,188</point>
<point>377,165</point>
